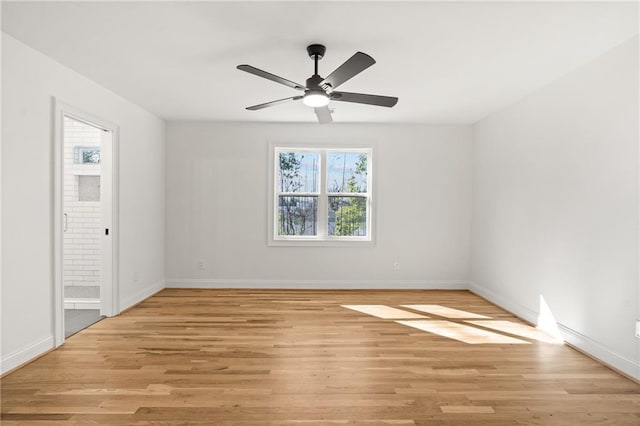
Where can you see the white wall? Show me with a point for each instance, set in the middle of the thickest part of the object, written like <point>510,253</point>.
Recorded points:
<point>555,206</point>
<point>29,81</point>
<point>217,182</point>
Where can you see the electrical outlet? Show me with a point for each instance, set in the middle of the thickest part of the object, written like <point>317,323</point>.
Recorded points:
<point>396,266</point>
<point>136,277</point>
<point>638,329</point>
<point>200,264</point>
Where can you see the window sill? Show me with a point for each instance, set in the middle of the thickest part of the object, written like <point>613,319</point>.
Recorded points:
<point>321,243</point>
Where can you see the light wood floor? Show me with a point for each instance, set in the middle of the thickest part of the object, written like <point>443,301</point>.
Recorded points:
<point>299,357</point>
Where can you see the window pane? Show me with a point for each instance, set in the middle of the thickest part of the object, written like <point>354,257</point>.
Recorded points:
<point>297,215</point>
<point>91,156</point>
<point>348,216</point>
<point>298,171</point>
<point>347,172</point>
<point>88,188</point>
<point>86,155</point>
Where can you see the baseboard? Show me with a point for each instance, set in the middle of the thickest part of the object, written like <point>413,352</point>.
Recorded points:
<point>25,354</point>
<point>517,309</point>
<point>141,295</point>
<point>572,337</point>
<point>319,284</point>
<point>79,303</point>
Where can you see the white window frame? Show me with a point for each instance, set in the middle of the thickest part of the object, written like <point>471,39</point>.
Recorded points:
<point>322,238</point>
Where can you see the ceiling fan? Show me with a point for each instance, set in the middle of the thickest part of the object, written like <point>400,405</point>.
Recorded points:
<point>319,91</point>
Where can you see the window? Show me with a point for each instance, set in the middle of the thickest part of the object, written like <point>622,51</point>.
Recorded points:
<point>322,194</point>
<point>86,155</point>
<point>88,188</point>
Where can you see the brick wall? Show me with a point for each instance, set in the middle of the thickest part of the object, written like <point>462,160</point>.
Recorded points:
<point>83,228</point>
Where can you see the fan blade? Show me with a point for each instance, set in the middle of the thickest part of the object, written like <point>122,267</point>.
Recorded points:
<point>353,66</point>
<point>272,103</point>
<point>269,76</point>
<point>323,114</point>
<point>361,98</point>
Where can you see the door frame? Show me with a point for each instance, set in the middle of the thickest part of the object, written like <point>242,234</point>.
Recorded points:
<point>109,295</point>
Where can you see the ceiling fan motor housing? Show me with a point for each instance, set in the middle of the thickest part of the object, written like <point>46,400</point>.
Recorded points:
<point>315,95</point>
<point>313,82</point>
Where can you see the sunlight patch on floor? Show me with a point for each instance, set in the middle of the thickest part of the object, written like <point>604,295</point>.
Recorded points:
<point>383,311</point>
<point>462,333</point>
<point>444,311</point>
<point>518,329</point>
<point>547,322</point>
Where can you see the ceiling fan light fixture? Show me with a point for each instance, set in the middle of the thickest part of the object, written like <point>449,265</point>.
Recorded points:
<point>315,99</point>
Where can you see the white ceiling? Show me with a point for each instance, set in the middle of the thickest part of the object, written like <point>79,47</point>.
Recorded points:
<point>447,62</point>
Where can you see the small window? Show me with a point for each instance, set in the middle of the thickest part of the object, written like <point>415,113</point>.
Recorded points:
<point>86,155</point>
<point>88,188</point>
<point>322,194</point>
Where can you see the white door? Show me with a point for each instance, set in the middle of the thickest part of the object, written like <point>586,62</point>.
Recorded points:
<point>106,255</point>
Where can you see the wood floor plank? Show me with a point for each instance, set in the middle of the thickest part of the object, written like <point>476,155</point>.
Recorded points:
<point>287,357</point>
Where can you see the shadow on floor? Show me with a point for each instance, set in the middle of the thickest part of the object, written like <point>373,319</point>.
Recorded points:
<point>79,319</point>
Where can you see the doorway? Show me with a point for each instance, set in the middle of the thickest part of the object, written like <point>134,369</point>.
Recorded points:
<point>84,205</point>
